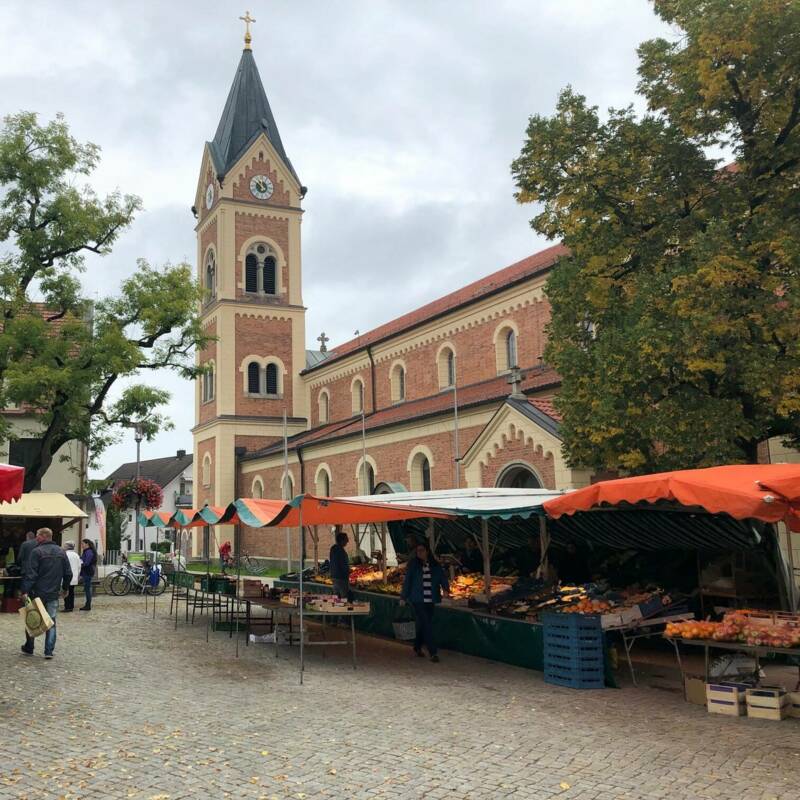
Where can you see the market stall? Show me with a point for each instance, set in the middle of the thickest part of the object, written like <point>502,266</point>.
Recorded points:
<point>301,511</point>
<point>28,513</point>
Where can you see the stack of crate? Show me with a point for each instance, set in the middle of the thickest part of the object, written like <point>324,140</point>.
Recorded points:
<point>768,702</point>
<point>727,698</point>
<point>573,650</point>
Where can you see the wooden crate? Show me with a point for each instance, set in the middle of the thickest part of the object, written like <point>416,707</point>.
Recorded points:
<point>768,702</point>
<point>726,698</point>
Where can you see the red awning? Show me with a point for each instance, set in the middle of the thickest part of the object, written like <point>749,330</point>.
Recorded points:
<point>767,492</point>
<point>12,480</point>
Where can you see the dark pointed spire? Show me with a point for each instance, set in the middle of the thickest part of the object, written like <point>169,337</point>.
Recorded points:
<point>246,115</point>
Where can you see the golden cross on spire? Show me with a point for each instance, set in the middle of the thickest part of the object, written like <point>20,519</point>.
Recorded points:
<point>247,19</point>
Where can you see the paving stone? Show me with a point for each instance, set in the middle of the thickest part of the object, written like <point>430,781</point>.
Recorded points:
<point>132,709</point>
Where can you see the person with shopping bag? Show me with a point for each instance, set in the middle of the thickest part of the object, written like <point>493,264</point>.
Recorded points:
<point>47,574</point>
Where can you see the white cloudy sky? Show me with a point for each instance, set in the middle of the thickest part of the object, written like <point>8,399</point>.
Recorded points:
<point>401,116</point>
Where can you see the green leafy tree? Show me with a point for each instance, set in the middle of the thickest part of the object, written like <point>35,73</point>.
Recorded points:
<point>675,321</point>
<point>61,361</point>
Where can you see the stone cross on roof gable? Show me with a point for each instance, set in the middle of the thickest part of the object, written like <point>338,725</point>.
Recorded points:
<point>515,377</point>
<point>323,342</point>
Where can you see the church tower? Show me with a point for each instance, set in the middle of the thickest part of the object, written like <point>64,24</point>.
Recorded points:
<point>248,207</point>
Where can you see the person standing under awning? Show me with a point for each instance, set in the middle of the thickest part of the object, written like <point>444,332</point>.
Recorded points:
<point>340,565</point>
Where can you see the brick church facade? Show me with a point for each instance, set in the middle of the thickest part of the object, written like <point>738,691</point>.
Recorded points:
<point>392,392</point>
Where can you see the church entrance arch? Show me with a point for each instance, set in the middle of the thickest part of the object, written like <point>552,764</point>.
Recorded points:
<point>518,476</point>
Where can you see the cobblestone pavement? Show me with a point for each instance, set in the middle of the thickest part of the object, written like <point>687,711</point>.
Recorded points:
<point>130,708</point>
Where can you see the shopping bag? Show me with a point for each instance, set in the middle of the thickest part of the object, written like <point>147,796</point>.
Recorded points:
<point>403,624</point>
<point>37,620</point>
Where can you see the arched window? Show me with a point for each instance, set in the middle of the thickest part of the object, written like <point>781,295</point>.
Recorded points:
<point>505,347</point>
<point>323,401</point>
<point>207,384</point>
<point>511,350</point>
<point>358,396</point>
<point>206,470</point>
<point>272,379</point>
<point>258,489</point>
<point>211,277</point>
<point>419,468</point>
<point>425,469</point>
<point>398,383</point>
<point>253,378</point>
<point>366,482</point>
<point>323,484</point>
<point>269,275</point>
<point>287,486</point>
<point>447,367</point>
<point>518,476</point>
<point>251,273</point>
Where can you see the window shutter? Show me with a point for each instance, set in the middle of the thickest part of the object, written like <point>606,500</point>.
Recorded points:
<point>253,378</point>
<point>269,275</point>
<point>272,379</point>
<point>251,273</point>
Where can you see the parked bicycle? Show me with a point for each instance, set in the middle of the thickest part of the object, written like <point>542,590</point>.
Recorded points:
<point>251,566</point>
<point>136,579</point>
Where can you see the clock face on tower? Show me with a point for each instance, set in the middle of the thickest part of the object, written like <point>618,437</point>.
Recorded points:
<point>261,187</point>
<point>210,195</point>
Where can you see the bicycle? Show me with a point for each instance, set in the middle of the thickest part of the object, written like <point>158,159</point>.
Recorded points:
<point>252,567</point>
<point>131,578</point>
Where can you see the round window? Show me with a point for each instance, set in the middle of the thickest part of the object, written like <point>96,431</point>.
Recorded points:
<point>261,249</point>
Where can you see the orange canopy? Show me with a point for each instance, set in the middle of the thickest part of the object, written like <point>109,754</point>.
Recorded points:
<point>319,511</point>
<point>768,492</point>
<point>286,513</point>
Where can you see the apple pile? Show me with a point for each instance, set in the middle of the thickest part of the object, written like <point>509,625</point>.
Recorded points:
<point>739,626</point>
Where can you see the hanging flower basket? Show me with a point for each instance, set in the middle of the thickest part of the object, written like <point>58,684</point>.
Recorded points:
<point>137,490</point>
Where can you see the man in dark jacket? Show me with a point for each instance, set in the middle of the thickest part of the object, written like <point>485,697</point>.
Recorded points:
<point>47,574</point>
<point>25,550</point>
<point>340,565</point>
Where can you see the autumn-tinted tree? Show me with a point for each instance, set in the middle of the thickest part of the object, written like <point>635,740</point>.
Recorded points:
<point>676,321</point>
<point>63,362</point>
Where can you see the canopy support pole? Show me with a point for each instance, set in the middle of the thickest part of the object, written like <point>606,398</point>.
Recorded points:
<point>315,542</point>
<point>238,534</point>
<point>544,547</point>
<point>487,558</point>
<point>302,602</point>
<point>155,566</point>
<point>792,579</point>
<point>431,535</point>
<point>382,535</point>
<point>175,572</point>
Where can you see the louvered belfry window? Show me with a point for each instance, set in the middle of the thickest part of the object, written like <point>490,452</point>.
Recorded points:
<point>251,273</point>
<point>253,378</point>
<point>272,379</point>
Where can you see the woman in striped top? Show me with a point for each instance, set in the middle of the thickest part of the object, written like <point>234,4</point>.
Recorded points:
<point>424,584</point>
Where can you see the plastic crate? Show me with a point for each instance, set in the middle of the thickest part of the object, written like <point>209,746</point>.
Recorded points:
<point>553,620</point>
<point>577,649</point>
<point>582,678</point>
<point>574,662</point>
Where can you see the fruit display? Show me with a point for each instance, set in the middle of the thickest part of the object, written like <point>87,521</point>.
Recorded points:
<point>463,587</point>
<point>632,603</point>
<point>761,629</point>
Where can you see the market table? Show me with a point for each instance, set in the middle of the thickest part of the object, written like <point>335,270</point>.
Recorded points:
<point>644,629</point>
<point>742,647</point>
<point>324,615</point>
<point>471,631</point>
